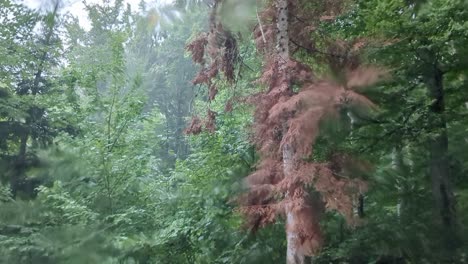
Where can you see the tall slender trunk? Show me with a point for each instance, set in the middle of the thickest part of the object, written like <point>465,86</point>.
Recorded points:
<point>293,254</point>
<point>438,147</point>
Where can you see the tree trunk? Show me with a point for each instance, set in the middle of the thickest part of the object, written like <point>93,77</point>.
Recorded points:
<point>438,146</point>
<point>293,254</point>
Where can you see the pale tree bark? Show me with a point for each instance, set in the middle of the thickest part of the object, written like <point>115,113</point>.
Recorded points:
<point>293,254</point>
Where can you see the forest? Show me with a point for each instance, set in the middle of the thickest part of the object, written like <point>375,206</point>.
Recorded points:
<point>233,131</point>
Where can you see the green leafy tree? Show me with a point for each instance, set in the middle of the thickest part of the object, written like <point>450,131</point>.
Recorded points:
<point>30,54</point>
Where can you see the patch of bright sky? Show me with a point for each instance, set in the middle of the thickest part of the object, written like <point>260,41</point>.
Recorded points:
<point>77,8</point>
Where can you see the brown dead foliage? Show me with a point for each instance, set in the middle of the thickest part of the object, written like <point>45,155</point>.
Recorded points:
<point>268,172</point>
<point>337,192</point>
<point>212,91</point>
<point>365,76</point>
<point>195,126</point>
<point>229,106</point>
<point>327,18</point>
<point>219,47</point>
<point>197,48</point>
<point>210,122</point>
<point>307,226</point>
<point>284,117</point>
<point>300,73</point>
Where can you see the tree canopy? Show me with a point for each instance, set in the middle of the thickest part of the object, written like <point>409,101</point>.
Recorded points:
<point>278,131</point>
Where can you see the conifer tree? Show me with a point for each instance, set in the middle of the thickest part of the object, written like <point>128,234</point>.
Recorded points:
<point>287,122</point>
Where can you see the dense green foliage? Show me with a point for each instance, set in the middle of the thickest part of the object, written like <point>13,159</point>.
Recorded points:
<point>95,167</point>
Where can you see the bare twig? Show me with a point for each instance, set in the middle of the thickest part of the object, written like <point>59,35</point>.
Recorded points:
<point>260,25</point>
<point>313,50</point>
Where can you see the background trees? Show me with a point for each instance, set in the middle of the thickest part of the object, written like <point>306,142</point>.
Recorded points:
<point>96,168</point>
<point>31,48</point>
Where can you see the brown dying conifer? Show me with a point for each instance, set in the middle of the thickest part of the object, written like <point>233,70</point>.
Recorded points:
<point>286,122</point>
